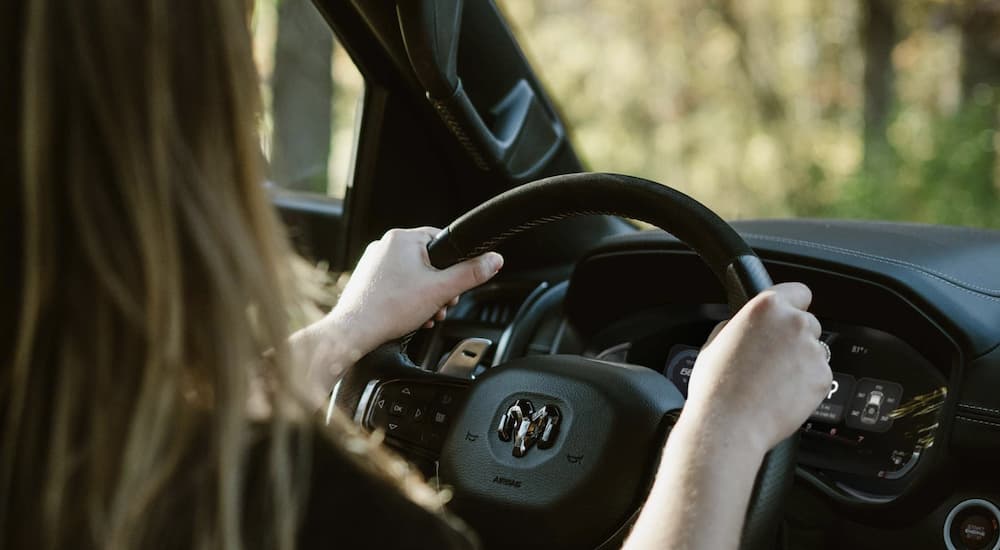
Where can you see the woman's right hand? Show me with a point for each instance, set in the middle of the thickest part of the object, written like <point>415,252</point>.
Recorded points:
<point>762,373</point>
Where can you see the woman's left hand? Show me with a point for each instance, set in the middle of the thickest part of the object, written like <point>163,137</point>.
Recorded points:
<point>393,291</point>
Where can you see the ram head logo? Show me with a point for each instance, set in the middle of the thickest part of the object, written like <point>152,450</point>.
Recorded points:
<point>528,427</point>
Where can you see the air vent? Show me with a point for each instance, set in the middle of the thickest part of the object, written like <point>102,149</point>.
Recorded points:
<point>497,313</point>
<point>544,339</point>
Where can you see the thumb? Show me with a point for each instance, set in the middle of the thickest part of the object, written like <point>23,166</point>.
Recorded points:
<point>473,272</point>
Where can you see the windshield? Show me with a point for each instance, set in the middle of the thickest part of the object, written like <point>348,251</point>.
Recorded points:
<point>776,108</point>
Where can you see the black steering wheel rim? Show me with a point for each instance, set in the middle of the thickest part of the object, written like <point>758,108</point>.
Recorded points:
<point>728,256</point>
<point>485,227</point>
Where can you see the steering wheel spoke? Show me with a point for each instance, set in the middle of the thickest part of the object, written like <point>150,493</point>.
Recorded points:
<point>412,413</point>
<point>413,407</point>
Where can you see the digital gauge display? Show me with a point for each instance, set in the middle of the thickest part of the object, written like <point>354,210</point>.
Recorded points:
<point>867,404</point>
<point>879,415</point>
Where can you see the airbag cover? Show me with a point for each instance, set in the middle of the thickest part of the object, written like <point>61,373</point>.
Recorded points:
<point>594,475</point>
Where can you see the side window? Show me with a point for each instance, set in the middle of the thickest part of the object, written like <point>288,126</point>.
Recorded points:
<point>311,93</point>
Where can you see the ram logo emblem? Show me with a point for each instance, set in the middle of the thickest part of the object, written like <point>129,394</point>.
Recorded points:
<point>528,427</point>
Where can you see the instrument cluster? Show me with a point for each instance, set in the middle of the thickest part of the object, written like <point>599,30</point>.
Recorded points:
<point>869,432</point>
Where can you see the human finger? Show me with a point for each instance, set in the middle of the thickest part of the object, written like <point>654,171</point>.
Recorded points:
<point>796,294</point>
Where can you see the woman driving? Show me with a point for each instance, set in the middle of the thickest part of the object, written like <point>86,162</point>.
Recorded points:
<point>153,393</point>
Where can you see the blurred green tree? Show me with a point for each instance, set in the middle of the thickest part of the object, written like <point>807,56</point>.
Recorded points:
<point>875,108</point>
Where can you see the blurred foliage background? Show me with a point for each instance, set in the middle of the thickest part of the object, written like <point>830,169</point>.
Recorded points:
<point>882,109</point>
<point>773,108</point>
<point>311,92</point>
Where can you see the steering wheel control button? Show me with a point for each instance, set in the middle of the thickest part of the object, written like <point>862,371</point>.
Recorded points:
<point>398,409</point>
<point>410,413</point>
<point>872,404</point>
<point>973,525</point>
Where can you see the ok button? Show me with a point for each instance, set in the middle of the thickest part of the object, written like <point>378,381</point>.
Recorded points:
<point>398,408</point>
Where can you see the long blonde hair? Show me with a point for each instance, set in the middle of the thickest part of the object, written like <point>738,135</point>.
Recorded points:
<point>152,276</point>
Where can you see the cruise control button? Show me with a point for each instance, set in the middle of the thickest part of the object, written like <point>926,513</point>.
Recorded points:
<point>440,418</point>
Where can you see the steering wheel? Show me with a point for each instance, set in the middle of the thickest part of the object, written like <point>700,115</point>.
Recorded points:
<point>558,451</point>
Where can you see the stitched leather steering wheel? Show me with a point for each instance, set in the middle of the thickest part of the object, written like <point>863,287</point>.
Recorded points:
<point>558,451</point>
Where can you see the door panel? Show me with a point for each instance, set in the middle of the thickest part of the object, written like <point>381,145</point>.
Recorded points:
<point>315,225</point>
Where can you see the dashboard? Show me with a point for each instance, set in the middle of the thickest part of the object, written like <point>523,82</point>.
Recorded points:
<point>905,443</point>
